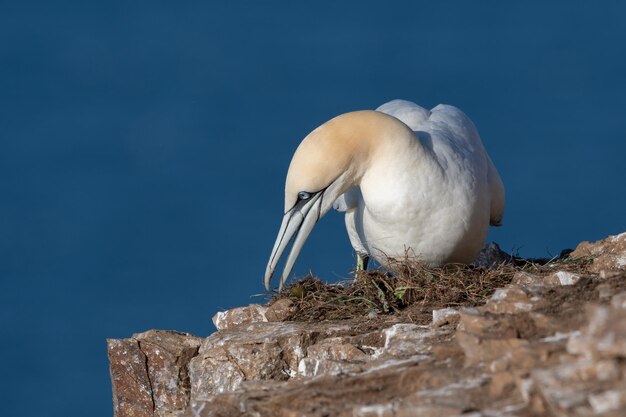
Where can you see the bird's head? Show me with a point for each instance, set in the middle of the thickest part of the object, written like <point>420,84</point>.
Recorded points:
<point>329,161</point>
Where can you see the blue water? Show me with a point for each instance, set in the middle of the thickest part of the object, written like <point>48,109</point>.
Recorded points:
<point>144,147</point>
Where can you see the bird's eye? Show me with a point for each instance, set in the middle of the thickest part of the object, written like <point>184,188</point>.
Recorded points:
<point>303,195</point>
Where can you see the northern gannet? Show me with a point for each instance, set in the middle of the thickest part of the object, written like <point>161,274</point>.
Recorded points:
<point>410,181</point>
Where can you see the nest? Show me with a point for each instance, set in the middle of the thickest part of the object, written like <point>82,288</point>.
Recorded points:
<point>410,289</point>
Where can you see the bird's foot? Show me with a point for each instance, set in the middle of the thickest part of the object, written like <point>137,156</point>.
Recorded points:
<point>362,260</point>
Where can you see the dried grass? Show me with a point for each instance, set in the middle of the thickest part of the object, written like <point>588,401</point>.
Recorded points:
<point>411,289</point>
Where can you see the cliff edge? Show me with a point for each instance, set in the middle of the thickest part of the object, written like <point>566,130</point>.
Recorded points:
<point>520,338</point>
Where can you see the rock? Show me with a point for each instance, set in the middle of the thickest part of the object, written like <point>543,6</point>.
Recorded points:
<point>498,341</point>
<point>543,324</point>
<point>539,346</point>
<point>605,292</point>
<point>491,256</point>
<point>167,356</point>
<point>489,325</point>
<point>403,340</point>
<point>445,316</point>
<point>241,315</point>
<point>224,363</point>
<point>149,372</point>
<point>608,254</point>
<point>132,394</point>
<point>618,301</point>
<point>605,334</point>
<point>567,387</point>
<point>450,397</point>
<point>332,356</point>
<point>562,278</point>
<point>593,381</point>
<point>472,320</point>
<point>489,351</point>
<point>527,279</point>
<point>371,343</point>
<point>611,400</point>
<point>376,410</point>
<point>257,351</point>
<point>502,383</point>
<point>509,300</point>
<point>280,310</point>
<point>280,351</point>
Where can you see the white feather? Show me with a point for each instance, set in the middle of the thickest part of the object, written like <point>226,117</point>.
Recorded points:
<point>437,209</point>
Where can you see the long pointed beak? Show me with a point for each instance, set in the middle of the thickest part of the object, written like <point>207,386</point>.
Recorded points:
<point>296,226</point>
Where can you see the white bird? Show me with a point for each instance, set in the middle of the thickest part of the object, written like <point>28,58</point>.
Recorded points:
<point>410,180</point>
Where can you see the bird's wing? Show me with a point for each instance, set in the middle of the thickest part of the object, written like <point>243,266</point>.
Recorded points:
<point>354,219</point>
<point>496,188</point>
<point>466,132</point>
<point>407,112</point>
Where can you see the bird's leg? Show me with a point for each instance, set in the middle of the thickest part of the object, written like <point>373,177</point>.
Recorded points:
<point>361,261</point>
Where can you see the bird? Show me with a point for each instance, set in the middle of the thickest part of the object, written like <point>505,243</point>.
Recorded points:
<point>409,180</point>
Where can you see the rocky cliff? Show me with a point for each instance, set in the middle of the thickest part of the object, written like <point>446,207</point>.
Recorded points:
<point>519,339</point>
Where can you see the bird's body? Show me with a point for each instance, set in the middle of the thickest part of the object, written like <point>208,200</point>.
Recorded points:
<point>412,182</point>
<point>429,199</point>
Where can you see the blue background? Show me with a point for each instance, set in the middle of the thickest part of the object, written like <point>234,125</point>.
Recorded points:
<point>144,147</point>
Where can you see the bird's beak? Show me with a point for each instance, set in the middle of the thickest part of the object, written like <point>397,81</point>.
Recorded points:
<point>297,225</point>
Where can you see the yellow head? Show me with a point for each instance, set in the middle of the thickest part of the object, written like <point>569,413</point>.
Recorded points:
<point>329,161</point>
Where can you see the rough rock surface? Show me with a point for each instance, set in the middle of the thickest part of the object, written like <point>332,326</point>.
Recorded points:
<point>239,315</point>
<point>150,373</point>
<point>608,254</point>
<point>551,345</point>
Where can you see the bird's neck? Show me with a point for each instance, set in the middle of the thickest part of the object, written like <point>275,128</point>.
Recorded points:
<point>383,143</point>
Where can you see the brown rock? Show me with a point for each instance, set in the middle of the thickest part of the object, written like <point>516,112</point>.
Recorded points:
<point>331,356</point>
<point>562,278</point>
<point>605,334</point>
<point>215,374</point>
<point>502,383</point>
<point>489,351</point>
<point>336,349</point>
<point>167,357</point>
<point>608,254</point>
<point>491,325</point>
<point>371,343</point>
<point>257,351</point>
<point>376,410</point>
<point>408,340</point>
<point>222,368</point>
<point>280,310</point>
<point>449,395</point>
<point>535,348</point>
<point>224,406</point>
<point>444,316</point>
<point>510,300</point>
<point>471,320</point>
<point>429,410</point>
<point>310,367</point>
<point>607,401</point>
<point>241,315</point>
<point>618,301</point>
<point>294,347</point>
<point>566,387</point>
<point>605,292</point>
<point>543,325</point>
<point>526,278</point>
<point>132,394</point>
